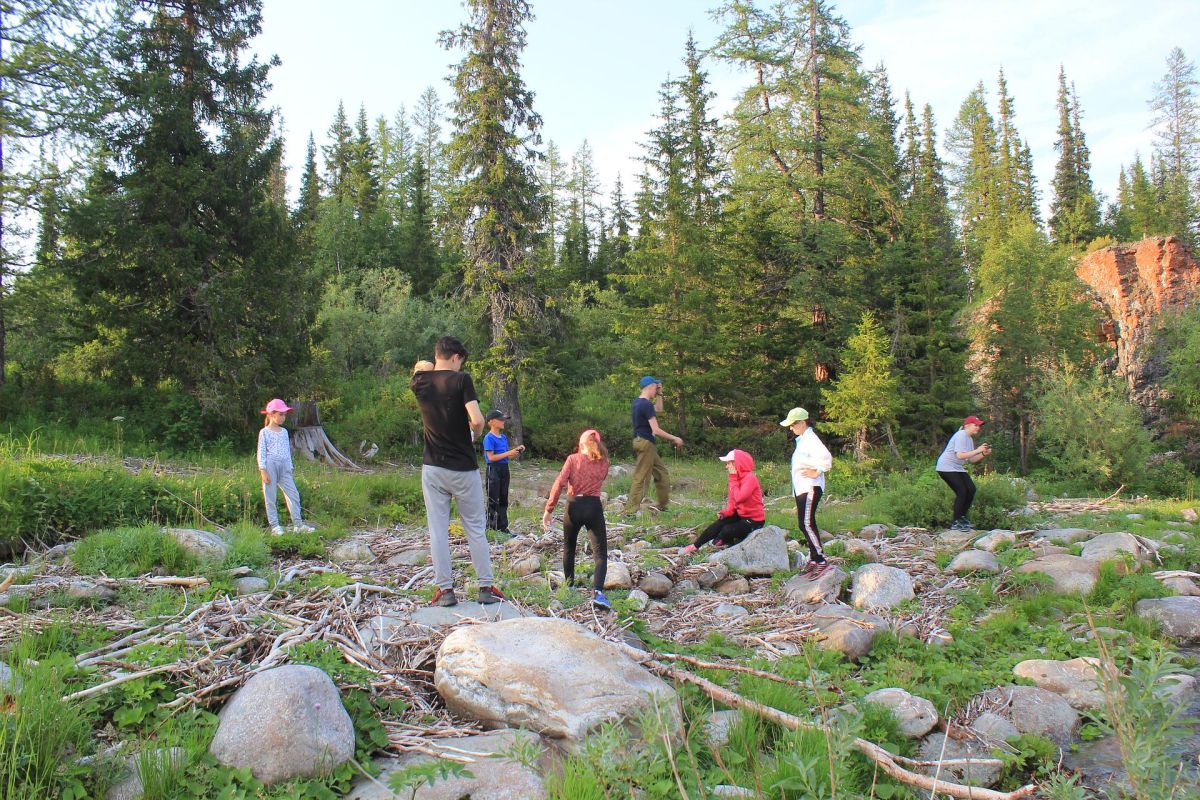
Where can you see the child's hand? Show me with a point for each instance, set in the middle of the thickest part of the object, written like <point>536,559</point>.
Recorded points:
<point>810,473</point>
<point>265,477</point>
<point>546,521</point>
<point>520,448</point>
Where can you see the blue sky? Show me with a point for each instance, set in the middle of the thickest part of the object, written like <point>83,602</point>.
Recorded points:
<point>596,66</point>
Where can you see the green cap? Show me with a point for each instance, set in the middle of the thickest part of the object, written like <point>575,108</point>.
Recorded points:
<point>795,415</point>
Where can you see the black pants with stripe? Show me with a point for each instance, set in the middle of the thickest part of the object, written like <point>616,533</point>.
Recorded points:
<point>585,511</point>
<point>806,515</point>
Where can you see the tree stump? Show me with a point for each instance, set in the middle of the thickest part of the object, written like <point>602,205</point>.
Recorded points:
<point>310,440</point>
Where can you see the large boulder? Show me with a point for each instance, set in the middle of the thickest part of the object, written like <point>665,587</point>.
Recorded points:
<point>1115,546</point>
<point>1036,711</point>
<point>1178,616</point>
<point>877,586</point>
<point>285,723</point>
<point>204,545</point>
<point>863,548</point>
<point>1068,574</point>
<point>916,715</point>
<point>969,561</point>
<point>494,776</point>
<point>1076,680</point>
<point>807,591</point>
<point>846,631</point>
<point>352,551</point>
<point>549,675</point>
<point>761,554</point>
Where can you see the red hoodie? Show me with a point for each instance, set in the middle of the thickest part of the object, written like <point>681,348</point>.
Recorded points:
<point>745,495</point>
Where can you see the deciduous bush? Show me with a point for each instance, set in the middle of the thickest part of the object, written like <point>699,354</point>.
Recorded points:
<point>924,500</point>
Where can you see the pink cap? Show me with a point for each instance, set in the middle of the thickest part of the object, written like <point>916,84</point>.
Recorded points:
<point>276,405</point>
<point>590,433</point>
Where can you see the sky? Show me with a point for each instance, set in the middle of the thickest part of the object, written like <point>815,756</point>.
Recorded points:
<point>596,66</point>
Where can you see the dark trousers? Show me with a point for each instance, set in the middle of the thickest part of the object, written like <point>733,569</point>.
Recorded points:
<point>730,530</point>
<point>497,497</point>
<point>806,515</point>
<point>964,491</point>
<point>585,511</point>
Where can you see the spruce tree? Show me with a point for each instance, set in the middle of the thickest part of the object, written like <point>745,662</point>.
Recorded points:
<point>975,193</point>
<point>1074,210</point>
<point>310,189</point>
<point>183,258</point>
<point>864,395</point>
<point>1177,145</point>
<point>496,195</point>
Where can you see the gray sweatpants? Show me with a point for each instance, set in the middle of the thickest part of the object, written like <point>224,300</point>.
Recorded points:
<point>280,473</point>
<point>440,486</point>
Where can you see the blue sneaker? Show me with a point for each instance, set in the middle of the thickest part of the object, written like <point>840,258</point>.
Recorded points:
<point>598,599</point>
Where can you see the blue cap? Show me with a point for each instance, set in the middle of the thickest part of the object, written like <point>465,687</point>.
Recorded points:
<point>646,381</point>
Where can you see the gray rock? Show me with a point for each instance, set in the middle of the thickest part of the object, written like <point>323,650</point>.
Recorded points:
<point>8,681</point>
<point>806,591</point>
<point>239,572</point>
<point>409,558</point>
<point>863,548</point>
<point>250,585</point>
<point>1037,711</point>
<point>877,586</point>
<point>638,600</point>
<point>728,790</point>
<point>352,551</point>
<point>1066,535</point>
<point>617,576</point>
<point>1178,616</point>
<point>1176,689</point>
<point>376,631</point>
<point>204,545</point>
<point>936,746</point>
<point>529,565</point>
<point>717,727</point>
<point>655,584</point>
<point>956,540</point>
<point>82,589</point>
<point>548,675</point>
<point>443,616</point>
<point>761,554</point>
<point>1182,586</point>
<point>844,630</point>
<point>730,610</point>
<point>129,783</point>
<point>1135,517</point>
<point>285,723</point>
<point>687,585</point>
<point>734,584</point>
<point>973,561</point>
<point>915,715</point>
<point>1076,680</point>
<point>873,531</point>
<point>939,638</point>
<point>994,729</point>
<point>1068,574</point>
<point>1189,515</point>
<point>1109,546</point>
<point>712,576</point>
<point>994,540</point>
<point>493,776</point>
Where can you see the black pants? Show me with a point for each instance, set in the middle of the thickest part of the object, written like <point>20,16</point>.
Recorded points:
<point>806,515</point>
<point>964,491</point>
<point>497,497</point>
<point>585,511</point>
<point>730,530</point>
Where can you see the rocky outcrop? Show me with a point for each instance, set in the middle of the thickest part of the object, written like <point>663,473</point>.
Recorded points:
<point>1134,284</point>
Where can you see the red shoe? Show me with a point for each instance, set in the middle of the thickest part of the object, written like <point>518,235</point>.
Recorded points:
<point>490,594</point>
<point>687,551</point>
<point>444,597</point>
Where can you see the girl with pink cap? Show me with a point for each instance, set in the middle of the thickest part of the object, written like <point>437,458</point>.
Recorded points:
<point>275,467</point>
<point>582,476</point>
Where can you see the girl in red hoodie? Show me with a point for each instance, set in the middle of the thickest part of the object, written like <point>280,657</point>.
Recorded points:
<point>743,513</point>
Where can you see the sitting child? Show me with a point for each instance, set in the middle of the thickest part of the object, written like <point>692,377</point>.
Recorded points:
<point>743,512</point>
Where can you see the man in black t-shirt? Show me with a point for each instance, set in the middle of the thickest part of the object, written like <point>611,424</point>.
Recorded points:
<point>451,419</point>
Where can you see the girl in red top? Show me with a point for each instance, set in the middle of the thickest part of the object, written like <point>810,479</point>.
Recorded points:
<point>743,513</point>
<point>582,475</point>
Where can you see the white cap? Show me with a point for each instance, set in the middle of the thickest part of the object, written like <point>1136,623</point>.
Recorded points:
<point>727,457</point>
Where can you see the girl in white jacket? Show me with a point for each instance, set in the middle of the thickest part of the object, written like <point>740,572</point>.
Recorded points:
<point>810,461</point>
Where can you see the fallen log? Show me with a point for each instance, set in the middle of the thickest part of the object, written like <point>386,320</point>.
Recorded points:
<point>885,760</point>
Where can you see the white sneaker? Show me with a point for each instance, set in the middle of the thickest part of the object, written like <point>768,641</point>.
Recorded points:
<point>303,527</point>
<point>277,530</point>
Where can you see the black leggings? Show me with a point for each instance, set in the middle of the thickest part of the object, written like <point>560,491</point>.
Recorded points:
<point>964,492</point>
<point>585,511</point>
<point>806,515</point>
<point>730,530</point>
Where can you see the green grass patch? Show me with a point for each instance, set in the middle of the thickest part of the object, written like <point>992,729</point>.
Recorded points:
<point>129,552</point>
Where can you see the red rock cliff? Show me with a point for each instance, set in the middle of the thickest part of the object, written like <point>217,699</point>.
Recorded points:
<point>1134,284</point>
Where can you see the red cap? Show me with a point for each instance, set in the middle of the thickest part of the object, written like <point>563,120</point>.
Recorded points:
<point>972,421</point>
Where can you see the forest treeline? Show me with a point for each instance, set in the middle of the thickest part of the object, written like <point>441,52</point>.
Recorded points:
<point>829,243</point>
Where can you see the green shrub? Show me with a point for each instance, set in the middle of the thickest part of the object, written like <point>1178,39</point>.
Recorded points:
<point>1167,478</point>
<point>128,552</point>
<point>926,501</point>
